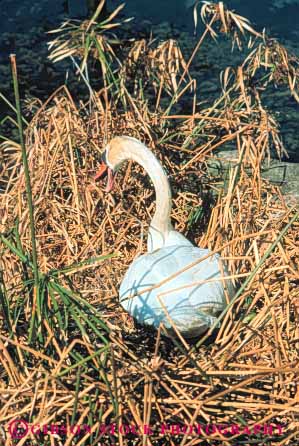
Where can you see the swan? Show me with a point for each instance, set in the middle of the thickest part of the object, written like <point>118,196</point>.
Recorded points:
<point>169,284</point>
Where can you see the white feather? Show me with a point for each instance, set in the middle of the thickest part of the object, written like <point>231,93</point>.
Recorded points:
<point>154,288</point>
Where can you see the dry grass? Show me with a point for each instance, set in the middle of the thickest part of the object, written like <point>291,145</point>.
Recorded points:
<point>247,373</point>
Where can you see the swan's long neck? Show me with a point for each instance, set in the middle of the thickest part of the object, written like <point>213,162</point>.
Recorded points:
<point>160,225</point>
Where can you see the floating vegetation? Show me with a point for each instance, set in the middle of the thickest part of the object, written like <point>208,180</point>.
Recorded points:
<point>69,354</point>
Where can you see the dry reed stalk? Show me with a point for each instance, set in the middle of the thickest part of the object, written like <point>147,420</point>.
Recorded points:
<point>248,373</point>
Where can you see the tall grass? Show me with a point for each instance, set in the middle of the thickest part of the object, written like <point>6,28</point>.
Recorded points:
<point>51,305</point>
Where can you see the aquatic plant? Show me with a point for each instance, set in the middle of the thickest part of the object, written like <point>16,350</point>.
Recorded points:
<point>81,39</point>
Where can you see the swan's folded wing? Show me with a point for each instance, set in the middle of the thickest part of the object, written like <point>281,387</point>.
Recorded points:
<point>173,284</point>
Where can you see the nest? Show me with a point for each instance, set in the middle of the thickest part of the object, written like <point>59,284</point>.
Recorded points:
<point>246,372</point>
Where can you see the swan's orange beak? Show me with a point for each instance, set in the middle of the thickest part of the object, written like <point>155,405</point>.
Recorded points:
<point>103,170</point>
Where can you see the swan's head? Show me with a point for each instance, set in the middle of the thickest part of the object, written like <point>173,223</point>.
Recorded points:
<point>114,154</point>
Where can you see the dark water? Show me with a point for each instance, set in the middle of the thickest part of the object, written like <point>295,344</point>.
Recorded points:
<point>23,25</point>
<point>281,18</point>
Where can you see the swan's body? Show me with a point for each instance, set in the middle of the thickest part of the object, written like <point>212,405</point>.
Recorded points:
<point>153,289</point>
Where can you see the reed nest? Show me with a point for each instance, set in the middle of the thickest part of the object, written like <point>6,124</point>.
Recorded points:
<point>87,363</point>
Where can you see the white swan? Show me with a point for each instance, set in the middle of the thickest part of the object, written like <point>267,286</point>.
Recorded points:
<point>191,299</point>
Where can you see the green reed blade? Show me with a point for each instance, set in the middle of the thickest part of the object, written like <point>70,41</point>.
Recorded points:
<point>4,303</point>
<point>82,361</point>
<point>26,168</point>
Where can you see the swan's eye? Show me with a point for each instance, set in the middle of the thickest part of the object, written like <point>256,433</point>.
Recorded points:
<point>104,157</point>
